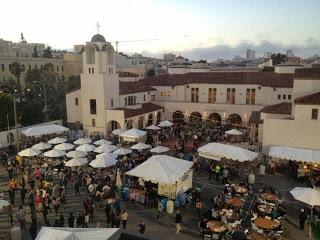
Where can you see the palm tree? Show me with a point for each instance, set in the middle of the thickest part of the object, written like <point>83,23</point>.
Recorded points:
<point>16,69</point>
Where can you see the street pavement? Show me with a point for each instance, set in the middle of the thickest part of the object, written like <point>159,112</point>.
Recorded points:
<point>164,227</point>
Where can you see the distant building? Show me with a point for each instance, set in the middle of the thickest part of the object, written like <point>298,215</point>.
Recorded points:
<point>169,57</point>
<point>251,54</point>
<point>290,53</point>
<point>287,67</point>
<point>267,55</point>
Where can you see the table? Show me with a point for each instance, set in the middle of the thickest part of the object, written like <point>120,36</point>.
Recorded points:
<point>240,189</point>
<point>266,224</point>
<point>264,209</point>
<point>269,197</point>
<point>216,227</point>
<point>257,236</point>
<point>234,202</point>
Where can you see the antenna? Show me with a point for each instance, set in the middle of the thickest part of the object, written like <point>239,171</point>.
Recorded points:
<point>98,27</point>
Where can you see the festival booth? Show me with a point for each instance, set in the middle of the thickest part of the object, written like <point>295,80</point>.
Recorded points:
<point>38,131</point>
<point>306,161</point>
<point>60,233</point>
<point>133,135</point>
<point>218,152</point>
<point>173,175</point>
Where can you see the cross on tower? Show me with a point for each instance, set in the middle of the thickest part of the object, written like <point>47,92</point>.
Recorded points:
<point>98,27</point>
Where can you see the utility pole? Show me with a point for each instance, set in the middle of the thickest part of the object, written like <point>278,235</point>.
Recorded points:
<point>15,121</point>
<point>45,101</point>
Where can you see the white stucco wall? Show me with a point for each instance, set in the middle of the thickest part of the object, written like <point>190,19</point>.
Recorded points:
<point>74,112</point>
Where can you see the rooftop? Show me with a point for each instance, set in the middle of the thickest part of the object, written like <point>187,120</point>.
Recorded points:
<point>269,79</point>
<point>312,99</point>
<point>146,108</point>
<point>280,108</point>
<point>128,74</point>
<point>134,87</point>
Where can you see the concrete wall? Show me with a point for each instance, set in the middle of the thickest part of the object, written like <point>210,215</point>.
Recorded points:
<point>303,112</point>
<point>74,112</point>
<point>286,69</point>
<point>304,87</point>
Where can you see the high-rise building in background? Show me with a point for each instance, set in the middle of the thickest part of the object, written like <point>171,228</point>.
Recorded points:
<point>251,54</point>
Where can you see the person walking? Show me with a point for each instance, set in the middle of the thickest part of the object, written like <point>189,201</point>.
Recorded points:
<point>225,175</point>
<point>160,208</point>
<point>124,218</point>
<point>198,207</point>
<point>302,218</point>
<point>141,227</point>
<point>178,221</point>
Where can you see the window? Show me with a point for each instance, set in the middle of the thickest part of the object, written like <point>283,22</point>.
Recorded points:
<point>279,96</point>
<point>93,121</point>
<point>194,94</point>
<point>111,102</point>
<point>153,98</point>
<point>62,68</point>
<point>57,68</point>
<point>89,70</point>
<point>165,93</point>
<point>76,101</point>
<point>2,67</point>
<point>314,114</point>
<point>289,97</point>
<point>144,97</point>
<point>92,70</point>
<point>212,95</point>
<point>250,96</point>
<point>283,96</point>
<point>231,95</point>
<point>125,101</point>
<point>93,106</point>
<point>131,100</point>
<point>29,67</point>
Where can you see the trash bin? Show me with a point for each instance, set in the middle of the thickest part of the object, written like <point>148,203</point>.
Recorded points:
<point>170,206</point>
<point>262,170</point>
<point>251,178</point>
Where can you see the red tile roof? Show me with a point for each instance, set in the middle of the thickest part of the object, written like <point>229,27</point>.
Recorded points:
<point>269,79</point>
<point>312,99</point>
<point>146,108</point>
<point>134,87</point>
<point>128,74</point>
<point>307,74</point>
<point>280,108</point>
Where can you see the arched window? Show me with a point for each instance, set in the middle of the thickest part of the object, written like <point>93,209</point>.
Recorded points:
<point>90,55</point>
<point>110,54</point>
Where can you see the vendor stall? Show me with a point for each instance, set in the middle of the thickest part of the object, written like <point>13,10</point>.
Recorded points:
<point>295,154</point>
<point>37,131</point>
<point>133,135</point>
<point>173,175</point>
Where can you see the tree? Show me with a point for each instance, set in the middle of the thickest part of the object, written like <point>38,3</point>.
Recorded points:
<point>32,113</point>
<point>73,82</point>
<point>6,111</point>
<point>47,53</point>
<point>35,52</point>
<point>278,58</point>
<point>16,69</point>
<point>151,72</point>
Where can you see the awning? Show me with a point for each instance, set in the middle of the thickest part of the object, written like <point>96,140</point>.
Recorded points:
<point>217,151</point>
<point>81,141</point>
<point>41,146</point>
<point>76,162</point>
<point>36,131</point>
<point>295,154</point>
<point>140,146</point>
<point>103,162</point>
<point>64,146</point>
<point>161,169</point>
<point>105,148</point>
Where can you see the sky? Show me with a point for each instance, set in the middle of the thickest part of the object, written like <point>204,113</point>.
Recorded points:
<point>195,28</point>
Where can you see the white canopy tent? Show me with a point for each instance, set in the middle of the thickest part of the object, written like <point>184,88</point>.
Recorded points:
<point>296,154</point>
<point>29,152</point>
<point>105,148</point>
<point>76,154</point>
<point>101,142</point>
<point>59,233</point>
<point>173,175</point>
<point>133,135</point>
<point>309,196</point>
<point>165,123</point>
<point>86,148</point>
<point>107,155</point>
<point>82,141</point>
<point>76,162</point>
<point>217,151</point>
<point>103,162</point>
<point>54,153</point>
<point>41,146</point>
<point>57,140</point>
<point>37,131</point>
<point>140,146</point>
<point>118,131</point>
<point>153,127</point>
<point>233,132</point>
<point>64,146</point>
<point>159,149</point>
<point>122,151</point>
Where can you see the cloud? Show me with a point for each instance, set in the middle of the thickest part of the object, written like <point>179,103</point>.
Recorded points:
<point>308,48</point>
